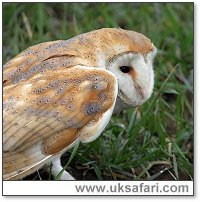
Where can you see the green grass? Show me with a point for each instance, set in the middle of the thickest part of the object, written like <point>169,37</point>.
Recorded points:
<point>151,142</point>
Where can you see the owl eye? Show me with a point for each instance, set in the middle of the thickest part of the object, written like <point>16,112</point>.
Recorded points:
<point>125,69</point>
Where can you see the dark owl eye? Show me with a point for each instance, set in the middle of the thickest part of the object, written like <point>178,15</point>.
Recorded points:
<point>125,69</point>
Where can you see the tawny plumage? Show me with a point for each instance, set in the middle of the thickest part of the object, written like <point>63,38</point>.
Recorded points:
<point>58,93</point>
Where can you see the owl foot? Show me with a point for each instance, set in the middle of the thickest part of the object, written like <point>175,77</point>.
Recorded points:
<point>57,168</point>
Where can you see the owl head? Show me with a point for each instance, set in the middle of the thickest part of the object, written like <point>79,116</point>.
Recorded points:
<point>129,56</point>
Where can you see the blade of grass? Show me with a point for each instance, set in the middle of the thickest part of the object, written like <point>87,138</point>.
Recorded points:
<point>98,172</point>
<point>175,166</point>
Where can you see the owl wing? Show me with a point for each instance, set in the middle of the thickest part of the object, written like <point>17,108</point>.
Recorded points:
<point>39,58</point>
<point>46,114</point>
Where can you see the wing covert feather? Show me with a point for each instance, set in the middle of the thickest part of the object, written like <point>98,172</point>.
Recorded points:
<point>39,58</point>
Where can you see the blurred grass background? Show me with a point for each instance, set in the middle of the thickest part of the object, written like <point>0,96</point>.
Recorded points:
<point>151,142</point>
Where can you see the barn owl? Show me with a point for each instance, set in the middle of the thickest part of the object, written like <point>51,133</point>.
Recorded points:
<point>56,94</point>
